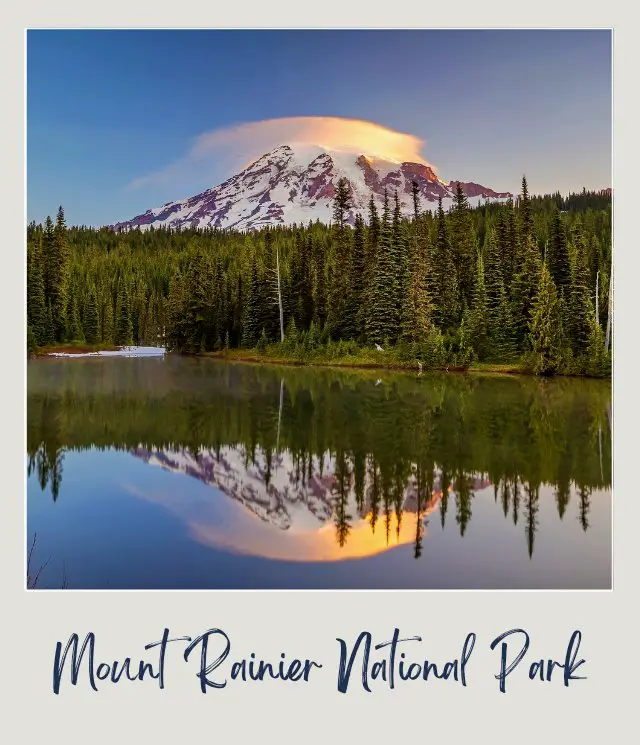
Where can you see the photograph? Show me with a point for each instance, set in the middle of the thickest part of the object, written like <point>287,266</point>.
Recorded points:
<point>319,309</point>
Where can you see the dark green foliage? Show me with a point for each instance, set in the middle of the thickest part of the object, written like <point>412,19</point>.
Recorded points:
<point>107,320</point>
<point>598,360</point>
<point>479,315</point>
<point>341,203</point>
<point>75,331</point>
<point>545,327</point>
<point>445,286</point>
<point>409,283</point>
<point>358,273</point>
<point>526,213</point>
<point>381,322</point>
<point>55,258</point>
<point>581,309</point>
<point>91,319</point>
<point>557,255</point>
<point>417,318</point>
<point>463,246</point>
<point>36,306</point>
<point>124,327</point>
<point>250,319</point>
<point>49,336</point>
<point>415,196</point>
<point>32,345</point>
<point>523,290</point>
<point>341,320</point>
<point>262,342</point>
<point>503,343</point>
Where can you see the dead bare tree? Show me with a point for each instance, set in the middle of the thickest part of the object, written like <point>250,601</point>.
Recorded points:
<point>278,291</point>
<point>32,580</point>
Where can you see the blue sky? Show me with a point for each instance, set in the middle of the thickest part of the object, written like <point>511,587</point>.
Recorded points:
<point>108,108</point>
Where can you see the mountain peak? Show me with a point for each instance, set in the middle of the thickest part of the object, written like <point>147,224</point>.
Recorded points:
<point>296,182</point>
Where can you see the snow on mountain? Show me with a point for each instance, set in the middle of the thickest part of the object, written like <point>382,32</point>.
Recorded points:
<point>296,183</point>
<point>273,490</point>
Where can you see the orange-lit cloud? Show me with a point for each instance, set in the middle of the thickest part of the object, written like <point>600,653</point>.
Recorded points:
<point>232,148</point>
<point>226,524</point>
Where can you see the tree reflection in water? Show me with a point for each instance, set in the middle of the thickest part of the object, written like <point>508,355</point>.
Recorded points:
<point>383,453</point>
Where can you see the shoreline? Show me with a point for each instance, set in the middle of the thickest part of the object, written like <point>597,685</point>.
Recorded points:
<point>483,368</point>
<point>341,363</point>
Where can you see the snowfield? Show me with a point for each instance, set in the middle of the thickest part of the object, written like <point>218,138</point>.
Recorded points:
<point>123,352</point>
<point>296,184</point>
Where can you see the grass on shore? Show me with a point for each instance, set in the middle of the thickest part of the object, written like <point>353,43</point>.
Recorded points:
<point>364,358</point>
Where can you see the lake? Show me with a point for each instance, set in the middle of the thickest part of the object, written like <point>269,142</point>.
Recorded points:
<point>193,473</point>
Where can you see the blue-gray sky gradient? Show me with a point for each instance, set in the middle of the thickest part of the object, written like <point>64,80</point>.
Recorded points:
<point>105,108</point>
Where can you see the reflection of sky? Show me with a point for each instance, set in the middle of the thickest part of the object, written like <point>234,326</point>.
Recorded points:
<point>120,523</point>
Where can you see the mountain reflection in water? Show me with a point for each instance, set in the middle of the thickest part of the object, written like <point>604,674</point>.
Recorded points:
<point>321,465</point>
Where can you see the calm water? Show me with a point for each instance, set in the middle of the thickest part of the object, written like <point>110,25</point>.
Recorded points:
<point>185,473</point>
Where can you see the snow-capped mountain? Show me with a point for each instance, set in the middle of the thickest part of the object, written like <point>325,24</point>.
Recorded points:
<point>297,183</point>
<point>273,490</point>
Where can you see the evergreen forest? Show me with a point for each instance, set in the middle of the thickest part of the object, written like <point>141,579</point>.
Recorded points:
<point>526,284</point>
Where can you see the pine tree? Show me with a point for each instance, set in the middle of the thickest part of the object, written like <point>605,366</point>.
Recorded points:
<point>510,249</point>
<point>340,315</point>
<point>357,302</point>
<point>479,315</point>
<point>59,269</point>
<point>557,256</point>
<point>463,246</point>
<point>371,262</point>
<point>75,331</point>
<point>545,327</point>
<point>445,297</point>
<point>526,213</point>
<point>176,338</point>
<point>341,203</point>
<point>36,307</point>
<point>320,287</point>
<point>304,282</point>
<point>415,196</point>
<point>598,361</point>
<point>418,309</point>
<point>250,330</point>
<point>401,262</point>
<point>503,338</point>
<point>581,311</point>
<point>381,321</point>
<point>291,336</point>
<point>202,290</point>
<point>50,335</point>
<point>91,319</point>
<point>107,326</point>
<point>494,288</point>
<point>124,328</point>
<point>523,290</point>
<point>267,288</point>
<point>48,259</point>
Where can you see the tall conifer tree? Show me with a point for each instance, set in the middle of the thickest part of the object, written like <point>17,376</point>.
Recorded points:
<point>545,327</point>
<point>36,307</point>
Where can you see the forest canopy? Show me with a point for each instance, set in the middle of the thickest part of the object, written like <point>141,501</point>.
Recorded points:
<point>524,282</point>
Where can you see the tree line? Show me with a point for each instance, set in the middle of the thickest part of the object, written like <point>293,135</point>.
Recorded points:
<point>526,281</point>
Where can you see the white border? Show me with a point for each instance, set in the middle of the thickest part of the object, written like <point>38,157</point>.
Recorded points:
<point>587,712</point>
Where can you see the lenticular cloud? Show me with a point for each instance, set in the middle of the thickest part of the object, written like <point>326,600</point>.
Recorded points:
<point>333,133</point>
<point>233,148</point>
